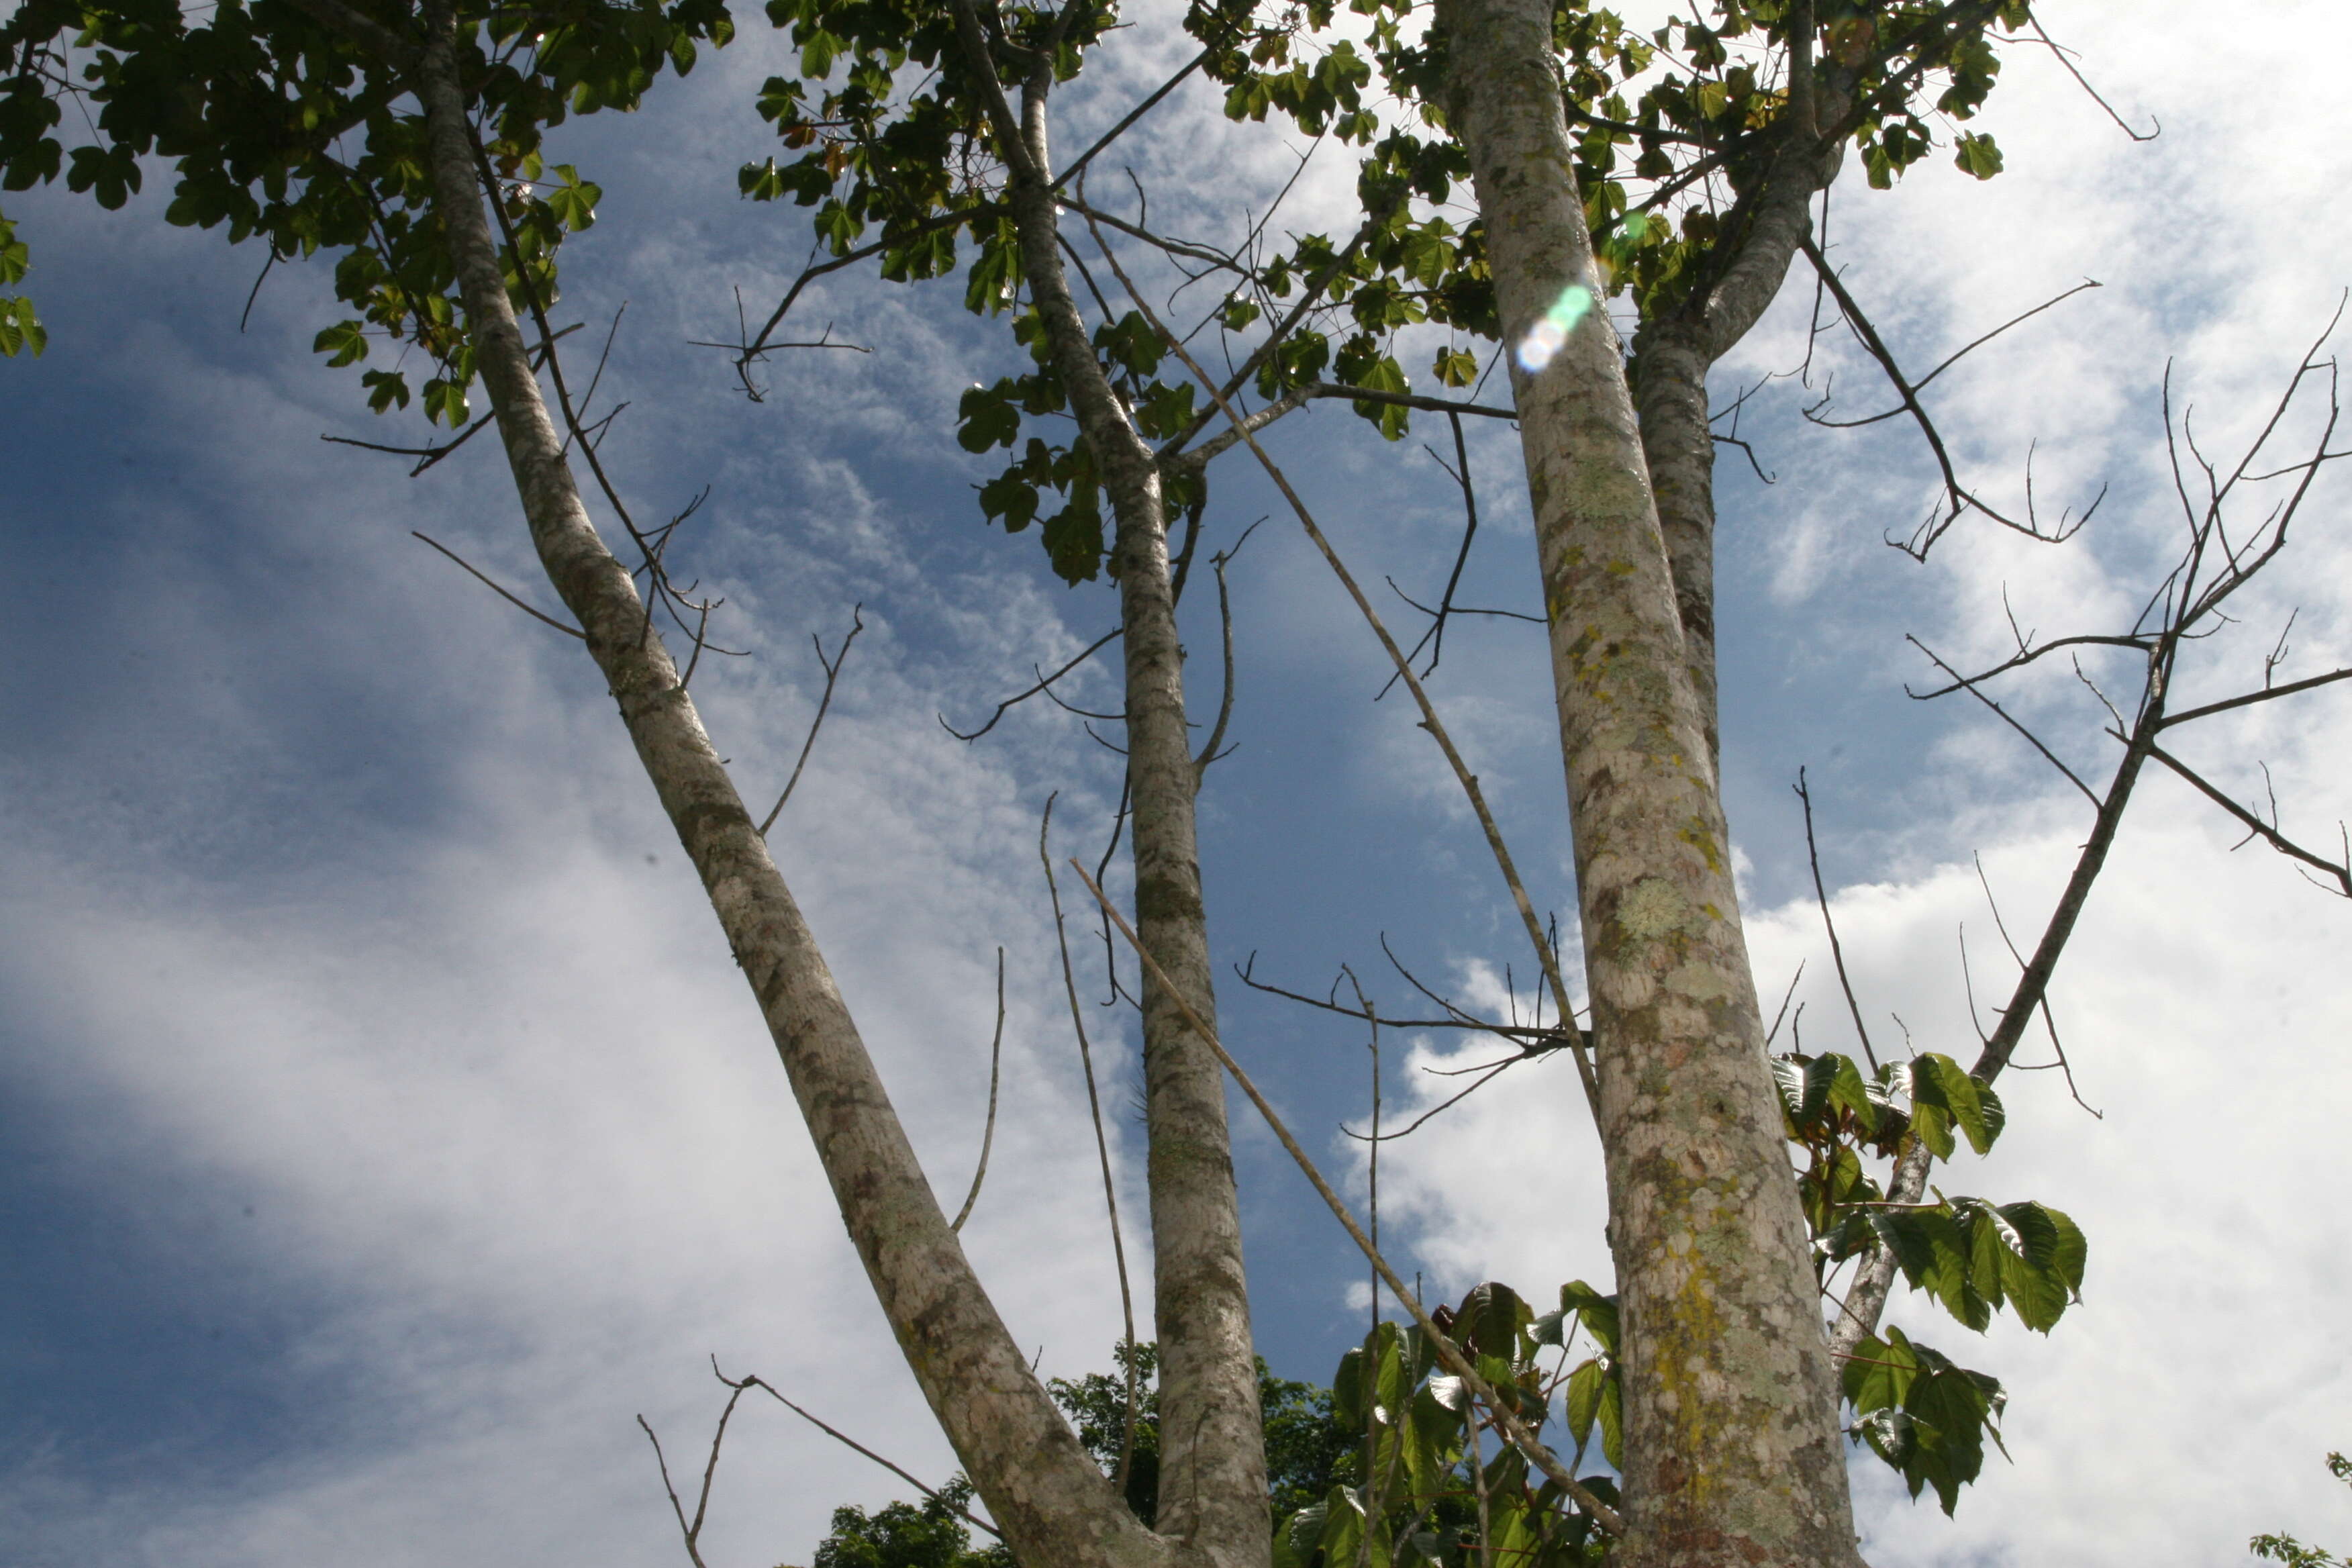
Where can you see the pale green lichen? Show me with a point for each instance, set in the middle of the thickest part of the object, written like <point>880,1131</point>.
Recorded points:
<point>1653,907</point>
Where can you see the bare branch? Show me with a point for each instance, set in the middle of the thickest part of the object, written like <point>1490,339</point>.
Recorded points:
<point>1209,753</point>
<point>1967,684</point>
<point>1102,1146</point>
<point>753,1380</point>
<point>988,1134</point>
<point>2289,689</point>
<point>1132,115</point>
<point>2063,55</point>
<point>832,673</point>
<point>1017,699</point>
<point>1837,951</point>
<point>1460,1365</point>
<point>501,593</point>
<point>1403,666</point>
<point>2254,824</point>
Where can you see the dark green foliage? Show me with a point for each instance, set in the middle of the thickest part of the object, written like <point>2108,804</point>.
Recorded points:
<point>1305,1447</point>
<point>278,129</point>
<point>909,1535</point>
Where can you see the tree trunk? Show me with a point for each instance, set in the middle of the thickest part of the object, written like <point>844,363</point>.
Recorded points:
<point>1053,1503</point>
<point>1732,1446</point>
<point>1212,1485</point>
<point>1673,354</point>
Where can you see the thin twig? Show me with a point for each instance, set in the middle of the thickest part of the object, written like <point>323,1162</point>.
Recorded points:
<point>1837,952</point>
<point>832,673</point>
<point>1102,1145</point>
<point>755,1381</point>
<point>988,1134</point>
<point>1209,751</point>
<point>1044,683</point>
<point>1459,1364</point>
<point>501,593</point>
<point>1403,666</point>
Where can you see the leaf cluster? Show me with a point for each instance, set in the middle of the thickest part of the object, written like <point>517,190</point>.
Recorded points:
<point>1430,1494</point>
<point>928,1534</point>
<point>1306,1448</point>
<point>278,128</point>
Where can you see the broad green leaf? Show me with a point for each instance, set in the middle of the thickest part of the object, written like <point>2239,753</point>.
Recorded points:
<point>1976,155</point>
<point>1940,1083</point>
<point>20,329</point>
<point>1455,367</point>
<point>1595,1312</point>
<point>1491,1321</point>
<point>386,389</point>
<point>1613,1419</point>
<point>985,417</point>
<point>573,201</point>
<point>1584,1386</point>
<point>346,340</point>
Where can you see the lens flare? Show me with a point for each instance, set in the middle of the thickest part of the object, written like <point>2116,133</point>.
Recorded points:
<point>1545,337</point>
<point>1611,257</point>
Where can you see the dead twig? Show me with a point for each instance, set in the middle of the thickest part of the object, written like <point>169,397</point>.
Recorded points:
<point>1102,1145</point>
<point>988,1134</point>
<point>832,667</point>
<point>1448,1353</point>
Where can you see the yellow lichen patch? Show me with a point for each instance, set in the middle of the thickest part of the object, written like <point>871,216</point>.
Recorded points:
<point>1699,838</point>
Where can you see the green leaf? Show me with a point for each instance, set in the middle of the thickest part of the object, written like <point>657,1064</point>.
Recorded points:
<point>1455,367</point>
<point>1613,1419</point>
<point>1012,498</point>
<point>1584,1386</point>
<point>1976,153</point>
<point>573,201</point>
<point>1491,1321</point>
<point>1343,1526</point>
<point>20,329</point>
<point>1385,375</point>
<point>761,182</point>
<point>1940,1085</point>
<point>444,402</point>
<point>986,417</point>
<point>1596,1313</point>
<point>385,389</point>
<point>1165,409</point>
<point>346,340</point>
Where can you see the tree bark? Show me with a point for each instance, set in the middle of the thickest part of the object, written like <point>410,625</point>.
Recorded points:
<point>1213,1485</point>
<point>1732,1446</point>
<point>1053,1503</point>
<point>1673,354</point>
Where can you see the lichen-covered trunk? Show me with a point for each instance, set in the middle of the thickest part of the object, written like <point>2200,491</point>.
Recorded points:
<point>1212,1483</point>
<point>1673,354</point>
<point>1053,1505</point>
<point>1732,1448</point>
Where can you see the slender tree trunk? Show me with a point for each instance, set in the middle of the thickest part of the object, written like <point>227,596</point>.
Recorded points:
<point>1213,1485</point>
<point>1732,1452</point>
<point>1053,1503</point>
<point>1673,354</point>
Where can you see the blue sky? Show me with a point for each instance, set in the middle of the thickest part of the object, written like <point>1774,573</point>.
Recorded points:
<point>383,1125</point>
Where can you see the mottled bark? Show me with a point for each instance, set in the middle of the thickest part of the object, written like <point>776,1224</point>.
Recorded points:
<point>1732,1447</point>
<point>1212,1487</point>
<point>1053,1503</point>
<point>1673,354</point>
